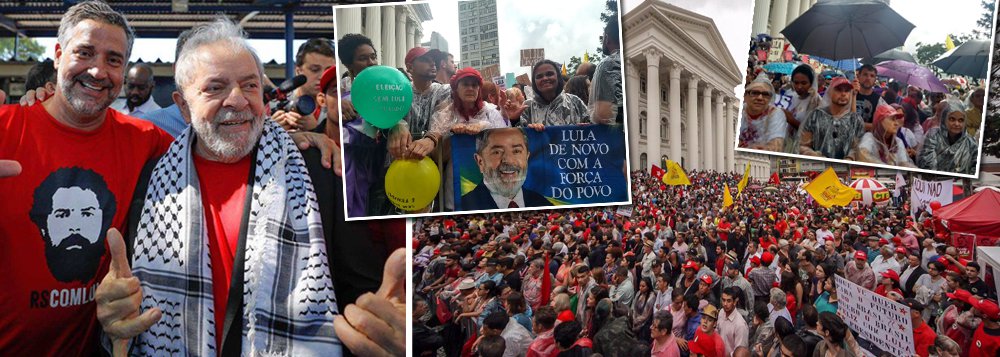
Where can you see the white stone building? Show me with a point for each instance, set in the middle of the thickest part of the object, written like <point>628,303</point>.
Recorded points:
<point>392,29</point>
<point>772,16</point>
<point>680,80</point>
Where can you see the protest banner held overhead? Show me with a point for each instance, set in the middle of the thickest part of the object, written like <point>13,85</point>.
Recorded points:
<point>922,193</point>
<point>562,165</point>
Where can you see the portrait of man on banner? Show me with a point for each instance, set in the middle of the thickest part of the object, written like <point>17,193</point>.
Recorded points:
<point>502,158</point>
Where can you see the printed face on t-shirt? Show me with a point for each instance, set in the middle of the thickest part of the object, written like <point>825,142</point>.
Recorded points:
<point>73,208</point>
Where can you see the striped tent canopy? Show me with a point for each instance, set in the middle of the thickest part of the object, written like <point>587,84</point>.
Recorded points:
<point>870,192</point>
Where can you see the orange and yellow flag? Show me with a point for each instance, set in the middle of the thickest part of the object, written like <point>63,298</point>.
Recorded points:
<point>675,175</point>
<point>828,191</point>
<point>727,198</point>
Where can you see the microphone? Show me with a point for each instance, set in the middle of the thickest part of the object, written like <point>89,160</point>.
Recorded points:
<point>286,87</point>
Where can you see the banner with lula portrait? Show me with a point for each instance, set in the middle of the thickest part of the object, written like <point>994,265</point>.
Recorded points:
<point>510,168</point>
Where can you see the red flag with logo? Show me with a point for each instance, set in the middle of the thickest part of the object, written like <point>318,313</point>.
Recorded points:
<point>774,179</point>
<point>657,172</point>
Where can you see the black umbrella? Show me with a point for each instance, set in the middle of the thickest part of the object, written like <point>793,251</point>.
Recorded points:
<point>969,59</point>
<point>890,55</point>
<point>844,29</point>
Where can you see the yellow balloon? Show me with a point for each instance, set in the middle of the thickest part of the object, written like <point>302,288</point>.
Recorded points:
<point>412,184</point>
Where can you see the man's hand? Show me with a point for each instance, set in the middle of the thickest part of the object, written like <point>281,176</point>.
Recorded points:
<point>9,168</point>
<point>420,148</point>
<point>118,298</point>
<point>32,96</point>
<point>376,324</point>
<point>399,141</point>
<point>347,112</point>
<point>293,121</point>
<point>328,149</point>
<point>537,126</point>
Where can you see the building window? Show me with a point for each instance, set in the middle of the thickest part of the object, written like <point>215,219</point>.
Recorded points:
<point>643,161</point>
<point>642,123</point>
<point>663,129</point>
<point>642,85</point>
<point>663,93</point>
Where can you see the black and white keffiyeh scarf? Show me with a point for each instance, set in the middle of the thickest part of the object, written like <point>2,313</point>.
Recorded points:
<point>288,296</point>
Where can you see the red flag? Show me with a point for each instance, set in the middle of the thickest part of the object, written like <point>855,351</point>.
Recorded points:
<point>657,172</point>
<point>546,282</point>
<point>774,179</point>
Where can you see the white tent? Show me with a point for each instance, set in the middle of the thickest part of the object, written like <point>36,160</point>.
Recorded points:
<point>989,257</point>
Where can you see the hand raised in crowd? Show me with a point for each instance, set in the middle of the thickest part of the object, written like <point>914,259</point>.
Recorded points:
<point>347,112</point>
<point>328,149</point>
<point>36,95</point>
<point>118,299</point>
<point>537,126</point>
<point>9,168</point>
<point>375,325</point>
<point>509,109</point>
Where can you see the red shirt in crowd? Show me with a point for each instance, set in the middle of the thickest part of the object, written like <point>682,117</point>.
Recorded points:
<point>74,186</point>
<point>985,342</point>
<point>923,337</point>
<point>223,195</point>
<point>724,235</point>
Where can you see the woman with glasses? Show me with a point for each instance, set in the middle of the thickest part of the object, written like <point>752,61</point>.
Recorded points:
<point>763,126</point>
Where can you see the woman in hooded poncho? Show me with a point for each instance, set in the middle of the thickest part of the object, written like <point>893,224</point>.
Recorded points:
<point>949,146</point>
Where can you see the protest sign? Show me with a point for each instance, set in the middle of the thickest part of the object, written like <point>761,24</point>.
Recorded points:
<point>530,56</point>
<point>776,50</point>
<point>490,71</point>
<point>625,211</point>
<point>501,82</point>
<point>922,193</point>
<point>884,323</point>
<point>562,165</point>
<point>523,79</point>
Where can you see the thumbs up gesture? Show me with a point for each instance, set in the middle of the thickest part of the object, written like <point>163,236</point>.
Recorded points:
<point>375,325</point>
<point>118,298</point>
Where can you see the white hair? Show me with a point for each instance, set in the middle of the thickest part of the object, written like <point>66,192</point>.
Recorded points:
<point>221,32</point>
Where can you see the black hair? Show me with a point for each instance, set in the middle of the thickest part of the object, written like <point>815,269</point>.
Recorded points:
<point>611,31</point>
<point>566,333</point>
<point>350,43</point>
<point>66,177</point>
<point>691,301</point>
<point>834,326</point>
<point>810,315</point>
<point>560,82</point>
<point>868,67</point>
<point>806,70</point>
<point>578,86</point>
<point>319,45</point>
<point>492,346</point>
<point>545,316</point>
<point>783,327</point>
<point>795,344</point>
<point>496,320</point>
<point>39,74</point>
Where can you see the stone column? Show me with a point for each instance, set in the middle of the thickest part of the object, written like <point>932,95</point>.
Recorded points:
<point>401,34</point>
<point>373,28</point>
<point>417,35</point>
<point>779,11</point>
<point>632,95</point>
<point>653,105</point>
<point>674,120</point>
<point>793,11</point>
<point>730,139</point>
<point>708,135</point>
<point>411,29</point>
<point>761,11</point>
<point>348,20</point>
<point>694,161</point>
<point>720,161</point>
<point>389,57</point>
<point>803,6</point>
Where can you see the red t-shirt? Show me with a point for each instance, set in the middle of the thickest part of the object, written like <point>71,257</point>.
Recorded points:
<point>74,186</point>
<point>724,235</point>
<point>984,343</point>
<point>223,194</point>
<point>707,345</point>
<point>923,338</point>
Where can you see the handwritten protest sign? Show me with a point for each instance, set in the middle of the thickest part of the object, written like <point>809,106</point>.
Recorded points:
<point>922,193</point>
<point>563,165</point>
<point>884,323</point>
<point>531,55</point>
<point>625,211</point>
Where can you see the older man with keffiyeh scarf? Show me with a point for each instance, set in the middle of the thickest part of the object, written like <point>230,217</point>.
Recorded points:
<point>228,251</point>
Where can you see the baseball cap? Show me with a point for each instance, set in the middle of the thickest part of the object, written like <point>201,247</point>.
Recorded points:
<point>883,241</point>
<point>901,250</point>
<point>710,311</point>
<point>960,295</point>
<point>767,258</point>
<point>914,304</point>
<point>690,264</point>
<point>840,81</point>
<point>707,279</point>
<point>860,255</point>
<point>755,259</point>
<point>329,75</point>
<point>989,308</point>
<point>418,52</point>
<point>566,316</point>
<point>891,274</point>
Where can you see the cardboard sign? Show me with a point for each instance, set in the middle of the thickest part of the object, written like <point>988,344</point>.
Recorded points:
<point>922,193</point>
<point>490,71</point>
<point>530,56</point>
<point>523,79</point>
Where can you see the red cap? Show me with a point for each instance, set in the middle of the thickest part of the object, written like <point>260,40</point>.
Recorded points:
<point>707,279</point>
<point>891,274</point>
<point>897,240</point>
<point>864,233</point>
<point>690,265</point>
<point>960,295</point>
<point>465,73</point>
<point>883,112</point>
<point>416,52</point>
<point>883,241</point>
<point>767,258</point>
<point>329,76</point>
<point>901,250</point>
<point>860,255</point>
<point>840,81</point>
<point>755,259</point>
<point>989,308</point>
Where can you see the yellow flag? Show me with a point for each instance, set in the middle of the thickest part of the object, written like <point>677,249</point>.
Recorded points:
<point>827,190</point>
<point>564,70</point>
<point>586,57</point>
<point>727,198</point>
<point>744,181</point>
<point>948,43</point>
<point>675,175</point>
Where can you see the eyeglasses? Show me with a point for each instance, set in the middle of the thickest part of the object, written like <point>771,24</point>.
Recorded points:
<point>755,93</point>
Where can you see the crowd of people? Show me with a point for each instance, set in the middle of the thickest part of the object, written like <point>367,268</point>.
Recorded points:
<point>212,226</point>
<point>447,101</point>
<point>867,119</point>
<point>679,276</point>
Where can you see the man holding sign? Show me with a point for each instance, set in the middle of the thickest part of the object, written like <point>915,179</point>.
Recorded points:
<point>502,157</point>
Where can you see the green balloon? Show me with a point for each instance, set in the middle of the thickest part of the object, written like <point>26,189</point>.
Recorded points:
<point>382,95</point>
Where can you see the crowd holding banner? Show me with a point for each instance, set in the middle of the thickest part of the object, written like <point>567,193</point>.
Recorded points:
<point>695,269</point>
